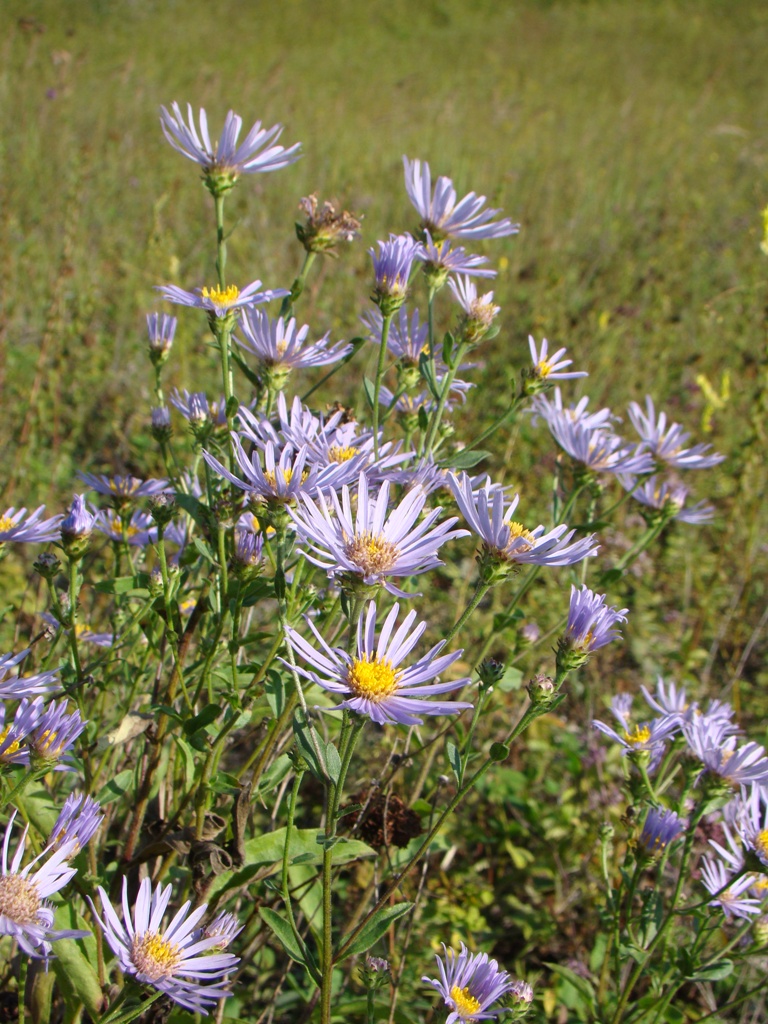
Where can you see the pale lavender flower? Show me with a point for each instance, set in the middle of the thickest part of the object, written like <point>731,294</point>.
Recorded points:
<point>546,367</point>
<point>621,708</point>
<point>479,311</point>
<point>281,480</point>
<point>54,732</point>
<point>16,526</point>
<point>371,681</point>
<point>256,154</point>
<point>195,407</point>
<point>442,215</point>
<point>13,737</point>
<point>78,522</point>
<point>225,927</point>
<point>470,983</point>
<point>660,828</point>
<point>507,542</point>
<point>666,442</point>
<point>669,499</point>
<point>85,634</point>
<point>161,328</point>
<point>598,449</point>
<point>591,624</point>
<point>160,420</point>
<point>440,260</point>
<point>709,741</point>
<point>220,302</point>
<point>645,738</point>
<point>173,960</point>
<point>25,914</point>
<point>552,411</point>
<point>278,343</point>
<point>139,531</point>
<point>122,486</point>
<point>18,686</point>
<point>408,339</point>
<point>77,823</point>
<point>377,542</point>
<point>409,405</point>
<point>752,823</point>
<point>248,548</point>
<point>669,702</point>
<point>392,270</point>
<point>730,897</point>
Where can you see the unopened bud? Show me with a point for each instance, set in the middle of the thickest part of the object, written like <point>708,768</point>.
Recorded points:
<point>490,672</point>
<point>541,691</point>
<point>76,528</point>
<point>47,565</point>
<point>162,507</point>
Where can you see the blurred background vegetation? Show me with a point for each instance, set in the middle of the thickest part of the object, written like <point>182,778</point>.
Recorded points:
<point>631,142</point>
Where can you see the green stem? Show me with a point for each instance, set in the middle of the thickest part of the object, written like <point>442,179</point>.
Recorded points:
<point>297,287</point>
<point>387,320</point>
<point>445,389</point>
<point>221,244</point>
<point>504,418</point>
<point>481,589</point>
<point>74,588</point>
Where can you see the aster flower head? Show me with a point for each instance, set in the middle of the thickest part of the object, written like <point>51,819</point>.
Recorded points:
<point>221,304</point>
<point>373,681</point>
<point>591,625</point>
<point>160,423</point>
<point>552,410</point>
<point>442,215</point>
<point>392,271</point>
<point>138,531</point>
<point>597,449</point>
<point>660,828</point>
<point>122,488</point>
<point>16,526</point>
<point>732,894</point>
<point>54,733</point>
<point>711,741</point>
<point>247,553</point>
<point>667,442</point>
<point>665,500</point>
<point>25,913</point>
<point>479,311</point>
<point>161,328</point>
<point>174,959</point>
<point>644,740</point>
<point>77,823</point>
<point>440,261</point>
<point>324,228</point>
<point>470,983</point>
<point>506,542</point>
<point>13,736</point>
<point>366,549</point>
<point>279,482</point>
<point>280,346</point>
<point>17,687</point>
<point>224,161</point>
<point>547,368</point>
<point>76,527</point>
<point>225,927</point>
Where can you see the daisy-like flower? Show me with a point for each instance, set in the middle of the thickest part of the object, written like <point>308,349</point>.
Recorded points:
<point>161,328</point>
<point>225,927</point>
<point>709,741</point>
<point>392,270</point>
<point>507,543</point>
<point>646,738</point>
<point>470,983</point>
<point>408,339</point>
<point>54,732</point>
<point>668,500</point>
<point>122,487</point>
<point>78,523</point>
<point>14,735</point>
<point>221,302</point>
<point>197,410</point>
<point>591,625</point>
<point>371,681</point>
<point>599,450</point>
<point>440,261</point>
<point>551,410</point>
<point>281,480</point>
<point>18,527</point>
<point>731,895</point>
<point>442,216</point>
<point>77,823</point>
<point>223,161</point>
<point>138,531</point>
<point>176,959</point>
<point>25,914</point>
<point>18,687</point>
<point>547,368</point>
<point>667,442</point>
<point>280,345</point>
<point>377,542</point>
<point>479,310</point>
<point>660,828</point>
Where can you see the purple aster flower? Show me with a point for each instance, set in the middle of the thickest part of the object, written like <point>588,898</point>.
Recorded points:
<point>195,407</point>
<point>547,368</point>
<point>371,681</point>
<point>442,216</point>
<point>77,823</point>
<point>392,270</point>
<point>470,983</point>
<point>17,687</point>
<point>279,481</point>
<point>440,261</point>
<point>377,542</point>
<point>479,311</point>
<point>79,522</point>
<point>279,344</point>
<point>225,927</point>
<point>122,486</point>
<point>408,339</point>
<point>173,960</point>
<point>506,542</point>
<point>731,896</point>
<point>709,740</point>
<point>139,531</point>
<point>17,526</point>
<point>161,328</point>
<point>668,499</point>
<point>54,732</point>
<point>590,623</point>
<point>669,701</point>
<point>160,421</point>
<point>645,738</point>
<point>661,827</point>
<point>256,154</point>
<point>25,914</point>
<point>599,450</point>
<point>13,737</point>
<point>82,631</point>
<point>551,410</point>
<point>248,548</point>
<point>221,302</point>
<point>666,442</point>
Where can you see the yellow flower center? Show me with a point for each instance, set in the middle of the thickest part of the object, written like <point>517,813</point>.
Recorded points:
<point>641,735</point>
<point>271,477</point>
<point>281,347</point>
<point>125,487</point>
<point>6,523</point>
<point>372,553</point>
<point>761,883</point>
<point>371,678</point>
<point>221,296</point>
<point>339,453</point>
<point>465,1003</point>
<point>517,531</point>
<point>19,900</point>
<point>543,368</point>
<point>761,843</point>
<point>12,747</point>
<point>47,745</point>
<point>153,956</point>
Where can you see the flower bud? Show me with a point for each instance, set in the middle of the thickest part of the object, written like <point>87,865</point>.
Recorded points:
<point>490,672</point>
<point>47,565</point>
<point>162,507</point>
<point>541,691</point>
<point>76,528</point>
<point>161,329</point>
<point>161,423</point>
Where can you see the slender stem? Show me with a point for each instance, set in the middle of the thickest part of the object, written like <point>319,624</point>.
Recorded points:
<point>504,418</point>
<point>387,320</point>
<point>298,285</point>
<point>481,589</point>
<point>221,244</point>
<point>74,587</point>
<point>445,389</point>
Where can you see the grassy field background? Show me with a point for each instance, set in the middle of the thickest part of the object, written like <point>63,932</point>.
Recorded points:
<point>629,139</point>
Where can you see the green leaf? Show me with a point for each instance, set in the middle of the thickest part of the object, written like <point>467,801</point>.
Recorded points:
<point>133,585</point>
<point>376,927</point>
<point>310,745</point>
<point>425,370</point>
<point>333,763</point>
<point>713,972</point>
<point>454,759</point>
<point>582,985</point>
<point>290,943</point>
<point>370,390</point>
<point>116,787</point>
<point>511,680</point>
<point>202,548</point>
<point>466,459</point>
<point>274,687</point>
<point>208,715</point>
<point>73,964</point>
<point>199,512</point>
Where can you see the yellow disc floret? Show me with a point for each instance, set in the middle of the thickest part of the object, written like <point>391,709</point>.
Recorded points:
<point>372,678</point>
<point>154,956</point>
<point>19,900</point>
<point>372,553</point>
<point>761,843</point>
<point>465,1003</point>
<point>6,523</point>
<point>639,737</point>
<point>339,453</point>
<point>221,296</point>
